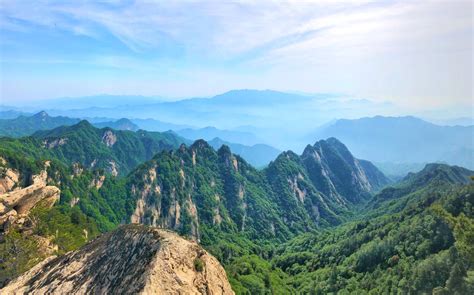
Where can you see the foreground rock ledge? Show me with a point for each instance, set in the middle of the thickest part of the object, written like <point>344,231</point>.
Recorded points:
<point>132,259</point>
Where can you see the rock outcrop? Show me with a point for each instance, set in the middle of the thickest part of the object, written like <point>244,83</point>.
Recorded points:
<point>16,205</point>
<point>134,259</point>
<point>336,173</point>
<point>9,180</point>
<point>109,138</point>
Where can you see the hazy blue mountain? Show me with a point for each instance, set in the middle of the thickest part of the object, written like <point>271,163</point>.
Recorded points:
<point>209,133</point>
<point>157,125</point>
<point>461,121</point>
<point>403,140</point>
<point>397,171</point>
<point>27,125</point>
<point>12,114</point>
<point>291,115</point>
<point>23,125</point>
<point>251,97</point>
<point>257,155</point>
<point>121,124</point>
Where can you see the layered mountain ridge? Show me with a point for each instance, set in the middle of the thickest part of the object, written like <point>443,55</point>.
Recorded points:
<point>197,185</point>
<point>403,140</point>
<point>117,151</point>
<point>27,125</point>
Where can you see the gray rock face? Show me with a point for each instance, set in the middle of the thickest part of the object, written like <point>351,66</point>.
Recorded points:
<point>16,205</point>
<point>335,172</point>
<point>133,259</point>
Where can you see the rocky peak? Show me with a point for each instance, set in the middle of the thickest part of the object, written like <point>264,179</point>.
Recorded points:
<point>308,149</point>
<point>285,157</point>
<point>337,173</point>
<point>54,142</point>
<point>125,124</point>
<point>201,144</point>
<point>83,124</point>
<point>224,150</point>
<point>43,116</point>
<point>16,205</point>
<point>182,148</point>
<point>441,173</point>
<point>226,157</point>
<point>133,259</point>
<point>10,179</point>
<point>109,138</point>
<point>338,147</point>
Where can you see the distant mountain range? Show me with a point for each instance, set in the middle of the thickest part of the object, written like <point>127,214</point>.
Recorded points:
<point>289,111</point>
<point>27,125</point>
<point>403,140</point>
<point>121,124</point>
<point>10,113</point>
<point>157,125</point>
<point>209,133</point>
<point>257,155</point>
<point>394,144</point>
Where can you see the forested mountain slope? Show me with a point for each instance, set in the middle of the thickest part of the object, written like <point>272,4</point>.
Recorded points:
<point>27,125</point>
<point>116,151</point>
<point>198,186</point>
<point>434,178</point>
<point>425,248</point>
<point>121,124</point>
<point>276,229</point>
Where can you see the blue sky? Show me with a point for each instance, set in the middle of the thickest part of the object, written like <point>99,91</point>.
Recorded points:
<point>416,54</point>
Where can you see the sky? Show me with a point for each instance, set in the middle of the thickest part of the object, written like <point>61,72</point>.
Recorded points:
<point>415,54</point>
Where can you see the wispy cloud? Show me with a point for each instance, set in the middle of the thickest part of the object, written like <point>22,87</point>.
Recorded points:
<point>334,42</point>
<point>230,28</point>
<point>219,26</point>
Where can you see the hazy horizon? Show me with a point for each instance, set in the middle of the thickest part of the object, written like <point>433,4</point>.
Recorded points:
<point>416,55</point>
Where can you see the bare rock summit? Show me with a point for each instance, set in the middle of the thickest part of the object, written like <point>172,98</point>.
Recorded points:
<point>134,259</point>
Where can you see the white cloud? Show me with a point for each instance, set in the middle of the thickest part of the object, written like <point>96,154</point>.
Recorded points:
<point>222,26</point>
<point>397,49</point>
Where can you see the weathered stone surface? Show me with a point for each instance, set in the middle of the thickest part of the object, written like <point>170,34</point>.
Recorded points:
<point>17,204</point>
<point>112,169</point>
<point>54,143</point>
<point>133,259</point>
<point>97,181</point>
<point>109,138</point>
<point>9,179</point>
